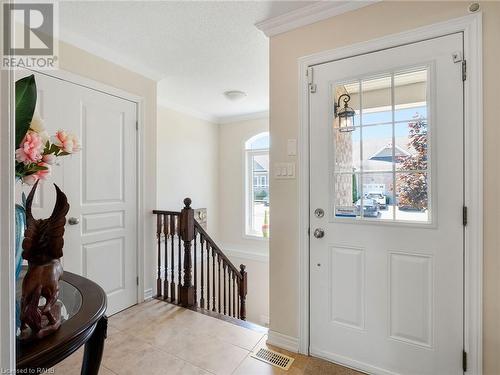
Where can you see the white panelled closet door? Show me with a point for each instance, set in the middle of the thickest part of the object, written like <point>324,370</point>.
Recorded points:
<point>100,182</point>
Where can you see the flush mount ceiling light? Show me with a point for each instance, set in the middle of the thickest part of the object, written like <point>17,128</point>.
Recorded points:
<point>234,95</point>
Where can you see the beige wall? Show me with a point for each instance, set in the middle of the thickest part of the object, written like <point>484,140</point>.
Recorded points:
<point>79,62</point>
<point>364,24</point>
<point>232,137</point>
<point>187,163</point>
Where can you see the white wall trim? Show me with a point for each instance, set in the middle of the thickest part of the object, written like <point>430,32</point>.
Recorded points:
<point>148,294</point>
<point>255,255</point>
<point>162,102</point>
<point>7,227</point>
<point>307,15</point>
<point>283,341</point>
<point>471,26</point>
<point>244,117</point>
<point>165,103</point>
<point>117,58</point>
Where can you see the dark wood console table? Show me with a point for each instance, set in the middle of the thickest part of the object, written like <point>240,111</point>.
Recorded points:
<point>84,322</point>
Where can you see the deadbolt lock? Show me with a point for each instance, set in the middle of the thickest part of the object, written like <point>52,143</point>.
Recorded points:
<point>319,213</point>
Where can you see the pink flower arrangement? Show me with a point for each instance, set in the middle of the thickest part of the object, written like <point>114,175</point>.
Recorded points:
<point>37,152</point>
<point>66,142</point>
<point>30,149</point>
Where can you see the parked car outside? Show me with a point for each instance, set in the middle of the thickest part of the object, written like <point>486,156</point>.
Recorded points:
<point>380,198</point>
<point>370,207</point>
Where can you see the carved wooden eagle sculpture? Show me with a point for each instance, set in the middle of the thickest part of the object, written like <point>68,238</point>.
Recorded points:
<point>42,245</point>
<point>43,238</point>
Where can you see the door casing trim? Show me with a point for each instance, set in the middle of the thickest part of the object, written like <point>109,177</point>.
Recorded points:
<point>471,27</point>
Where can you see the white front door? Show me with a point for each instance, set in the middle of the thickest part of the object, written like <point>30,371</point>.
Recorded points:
<point>100,182</point>
<point>386,284</point>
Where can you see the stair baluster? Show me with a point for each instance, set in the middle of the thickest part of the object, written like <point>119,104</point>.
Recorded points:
<point>158,236</point>
<point>195,267</point>
<point>208,276</point>
<point>172,258</point>
<point>213,279</point>
<point>165,269</point>
<point>224,283</point>
<point>202,300</point>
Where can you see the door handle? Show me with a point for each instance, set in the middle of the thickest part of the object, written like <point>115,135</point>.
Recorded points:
<point>73,221</point>
<point>319,233</point>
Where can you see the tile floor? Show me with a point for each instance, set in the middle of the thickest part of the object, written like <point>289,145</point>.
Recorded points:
<point>157,338</point>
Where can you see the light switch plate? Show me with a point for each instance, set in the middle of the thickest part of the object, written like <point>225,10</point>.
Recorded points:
<point>284,171</point>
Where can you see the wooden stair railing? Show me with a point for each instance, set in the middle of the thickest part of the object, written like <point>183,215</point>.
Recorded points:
<point>210,282</point>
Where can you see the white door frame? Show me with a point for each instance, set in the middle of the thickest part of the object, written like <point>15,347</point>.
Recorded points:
<point>471,27</point>
<point>7,238</point>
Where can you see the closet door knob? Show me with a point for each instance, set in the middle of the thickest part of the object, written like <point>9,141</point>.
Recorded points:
<point>73,221</point>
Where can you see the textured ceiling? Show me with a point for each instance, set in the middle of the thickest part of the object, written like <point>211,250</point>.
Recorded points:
<point>196,50</point>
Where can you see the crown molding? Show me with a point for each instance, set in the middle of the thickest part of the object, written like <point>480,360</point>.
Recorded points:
<point>309,14</point>
<point>244,117</point>
<point>165,103</point>
<point>115,57</point>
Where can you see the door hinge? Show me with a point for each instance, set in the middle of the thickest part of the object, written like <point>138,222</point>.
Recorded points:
<point>464,70</point>
<point>137,125</point>
<point>310,82</point>
<point>464,360</point>
<point>464,215</point>
<point>137,280</point>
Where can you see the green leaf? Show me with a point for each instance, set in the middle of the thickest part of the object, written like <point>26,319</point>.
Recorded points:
<point>36,168</point>
<point>54,149</point>
<point>25,105</point>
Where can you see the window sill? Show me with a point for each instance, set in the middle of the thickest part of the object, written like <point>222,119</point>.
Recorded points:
<point>255,237</point>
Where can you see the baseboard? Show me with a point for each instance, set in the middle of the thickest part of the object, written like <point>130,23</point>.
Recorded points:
<point>245,254</point>
<point>148,294</point>
<point>283,341</point>
<point>264,320</point>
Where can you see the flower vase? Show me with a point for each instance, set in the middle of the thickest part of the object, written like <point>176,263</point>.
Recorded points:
<point>20,227</point>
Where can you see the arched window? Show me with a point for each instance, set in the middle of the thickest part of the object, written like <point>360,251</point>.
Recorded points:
<point>257,186</point>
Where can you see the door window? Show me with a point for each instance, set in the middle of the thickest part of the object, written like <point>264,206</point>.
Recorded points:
<point>380,165</point>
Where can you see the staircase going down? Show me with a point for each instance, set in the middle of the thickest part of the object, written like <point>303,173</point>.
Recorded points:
<point>193,271</point>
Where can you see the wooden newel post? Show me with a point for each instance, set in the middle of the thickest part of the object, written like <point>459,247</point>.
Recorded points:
<point>243,292</point>
<point>187,236</point>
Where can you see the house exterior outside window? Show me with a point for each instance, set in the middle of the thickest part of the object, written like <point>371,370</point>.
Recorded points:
<point>257,186</point>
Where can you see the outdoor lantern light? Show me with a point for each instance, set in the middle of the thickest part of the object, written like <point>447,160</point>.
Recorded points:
<point>345,114</point>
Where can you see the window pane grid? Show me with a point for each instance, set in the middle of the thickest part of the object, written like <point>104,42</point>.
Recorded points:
<point>405,148</point>
<point>395,122</point>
